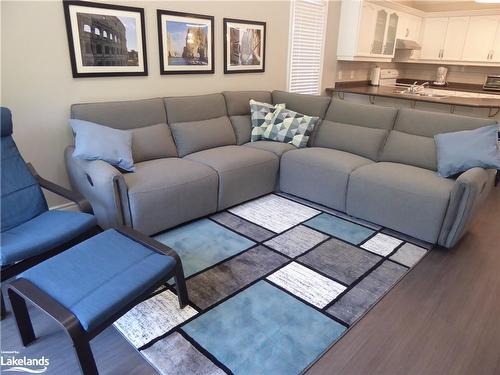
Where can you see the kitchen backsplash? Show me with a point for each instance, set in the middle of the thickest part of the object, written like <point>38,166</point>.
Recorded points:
<point>360,71</point>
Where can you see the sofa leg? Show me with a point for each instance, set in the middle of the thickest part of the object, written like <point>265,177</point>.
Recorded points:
<point>22,317</point>
<point>85,356</point>
<point>4,311</point>
<point>180,285</point>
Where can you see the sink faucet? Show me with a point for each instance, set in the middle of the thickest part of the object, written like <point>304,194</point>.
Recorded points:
<point>415,88</point>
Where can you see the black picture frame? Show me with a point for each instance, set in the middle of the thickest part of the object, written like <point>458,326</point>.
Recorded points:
<point>181,69</point>
<point>227,68</point>
<point>78,69</point>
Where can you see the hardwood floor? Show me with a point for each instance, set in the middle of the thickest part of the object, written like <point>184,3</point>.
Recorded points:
<point>442,318</point>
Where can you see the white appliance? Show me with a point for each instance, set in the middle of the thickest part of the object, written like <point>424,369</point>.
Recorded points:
<point>375,76</point>
<point>441,76</point>
<point>388,77</point>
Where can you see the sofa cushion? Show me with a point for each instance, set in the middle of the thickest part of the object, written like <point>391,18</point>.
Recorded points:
<point>244,173</point>
<point>128,114</point>
<point>319,174</point>
<point>152,142</point>
<point>195,108</point>
<point>200,135</point>
<point>405,198</point>
<point>312,105</point>
<point>237,102</point>
<point>262,115</point>
<point>420,127</point>
<point>242,126</point>
<point>43,233</point>
<point>163,193</point>
<point>358,128</point>
<point>277,148</point>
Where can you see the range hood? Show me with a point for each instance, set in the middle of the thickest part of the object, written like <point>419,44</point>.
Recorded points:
<point>407,44</point>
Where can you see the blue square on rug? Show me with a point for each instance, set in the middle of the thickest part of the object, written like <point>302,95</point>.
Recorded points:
<point>340,228</point>
<point>203,243</point>
<point>264,330</point>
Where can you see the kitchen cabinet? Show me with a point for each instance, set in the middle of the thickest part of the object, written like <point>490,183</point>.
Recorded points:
<point>454,41</point>
<point>480,39</point>
<point>409,26</point>
<point>495,52</point>
<point>433,38</point>
<point>390,35</point>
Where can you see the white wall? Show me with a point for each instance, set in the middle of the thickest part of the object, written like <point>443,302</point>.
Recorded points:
<point>37,84</point>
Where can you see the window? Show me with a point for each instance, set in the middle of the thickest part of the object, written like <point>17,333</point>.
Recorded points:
<point>104,34</point>
<point>307,40</point>
<point>86,28</point>
<point>97,31</point>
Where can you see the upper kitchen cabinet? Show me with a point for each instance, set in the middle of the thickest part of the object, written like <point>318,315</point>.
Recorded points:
<point>443,38</point>
<point>482,42</point>
<point>368,30</point>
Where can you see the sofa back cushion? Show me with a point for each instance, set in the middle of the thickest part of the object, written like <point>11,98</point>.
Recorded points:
<point>412,139</point>
<point>311,105</point>
<point>193,136</point>
<point>238,109</point>
<point>194,108</point>
<point>199,122</point>
<point>152,142</point>
<point>123,115</point>
<point>357,128</point>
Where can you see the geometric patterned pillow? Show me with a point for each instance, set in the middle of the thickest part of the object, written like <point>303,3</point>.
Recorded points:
<point>261,116</point>
<point>290,127</point>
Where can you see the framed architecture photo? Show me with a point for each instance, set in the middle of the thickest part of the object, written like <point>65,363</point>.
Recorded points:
<point>186,43</point>
<point>244,46</point>
<point>105,39</point>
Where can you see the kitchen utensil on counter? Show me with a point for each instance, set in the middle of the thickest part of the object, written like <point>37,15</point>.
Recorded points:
<point>375,76</point>
<point>388,77</point>
<point>441,76</point>
<point>492,82</point>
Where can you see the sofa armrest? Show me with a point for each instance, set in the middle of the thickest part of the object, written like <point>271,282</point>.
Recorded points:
<point>471,188</point>
<point>102,184</point>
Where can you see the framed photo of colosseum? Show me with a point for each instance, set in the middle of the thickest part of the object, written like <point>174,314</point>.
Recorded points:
<point>186,43</point>
<point>105,39</point>
<point>244,46</point>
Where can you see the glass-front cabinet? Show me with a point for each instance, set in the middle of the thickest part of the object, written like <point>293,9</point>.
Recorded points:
<point>390,37</point>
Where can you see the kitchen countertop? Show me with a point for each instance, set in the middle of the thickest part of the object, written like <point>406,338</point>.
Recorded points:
<point>364,88</point>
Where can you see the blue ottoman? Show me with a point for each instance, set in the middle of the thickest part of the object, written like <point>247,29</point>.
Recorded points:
<point>86,288</point>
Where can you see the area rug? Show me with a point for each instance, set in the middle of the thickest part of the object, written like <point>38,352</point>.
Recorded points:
<point>272,284</point>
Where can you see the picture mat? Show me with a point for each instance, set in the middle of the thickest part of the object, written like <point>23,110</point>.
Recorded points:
<point>238,25</point>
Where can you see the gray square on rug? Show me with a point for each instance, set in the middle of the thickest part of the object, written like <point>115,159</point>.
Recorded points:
<point>174,355</point>
<point>296,241</point>
<point>340,260</point>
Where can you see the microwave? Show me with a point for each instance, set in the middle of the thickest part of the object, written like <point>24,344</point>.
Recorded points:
<point>492,83</point>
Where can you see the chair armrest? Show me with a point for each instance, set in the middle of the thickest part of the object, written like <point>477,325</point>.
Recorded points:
<point>71,195</point>
<point>471,188</point>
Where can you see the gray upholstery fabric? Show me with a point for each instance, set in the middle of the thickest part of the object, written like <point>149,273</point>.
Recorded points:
<point>194,108</point>
<point>242,126</point>
<point>163,193</point>
<point>277,148</point>
<point>319,174</point>
<point>201,135</point>
<point>237,102</point>
<point>312,105</point>
<point>470,190</point>
<point>244,172</point>
<point>122,115</point>
<point>428,124</point>
<point>367,115</point>
<point>410,149</point>
<point>405,198</point>
<point>359,140</point>
<point>152,142</point>
<point>99,182</point>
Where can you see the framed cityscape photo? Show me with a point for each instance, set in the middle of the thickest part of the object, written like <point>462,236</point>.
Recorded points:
<point>244,46</point>
<point>105,40</point>
<point>186,43</point>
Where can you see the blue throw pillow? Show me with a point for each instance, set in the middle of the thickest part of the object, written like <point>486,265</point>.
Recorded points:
<point>99,142</point>
<point>460,151</point>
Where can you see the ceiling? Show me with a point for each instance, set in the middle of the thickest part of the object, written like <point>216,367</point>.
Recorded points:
<point>445,6</point>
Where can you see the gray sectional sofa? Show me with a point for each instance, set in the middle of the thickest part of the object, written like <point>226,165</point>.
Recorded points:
<point>375,163</point>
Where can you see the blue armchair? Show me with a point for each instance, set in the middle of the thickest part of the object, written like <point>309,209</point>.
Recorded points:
<point>30,232</point>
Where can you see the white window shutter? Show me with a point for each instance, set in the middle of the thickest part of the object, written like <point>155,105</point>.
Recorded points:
<point>307,40</point>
